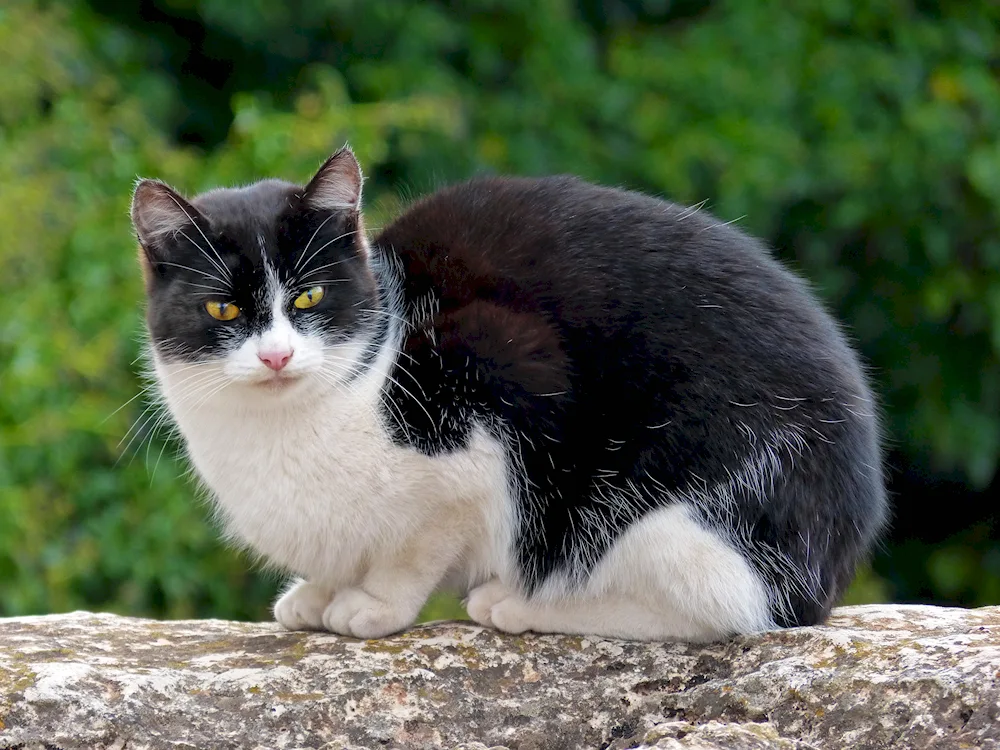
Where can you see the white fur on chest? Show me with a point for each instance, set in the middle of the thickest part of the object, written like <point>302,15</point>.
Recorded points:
<point>319,488</point>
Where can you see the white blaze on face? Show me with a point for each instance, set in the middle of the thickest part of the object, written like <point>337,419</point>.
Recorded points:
<point>284,352</point>
<point>279,349</point>
<point>276,346</point>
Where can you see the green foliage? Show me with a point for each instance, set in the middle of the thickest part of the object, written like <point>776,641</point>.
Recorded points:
<point>861,141</point>
<point>77,529</point>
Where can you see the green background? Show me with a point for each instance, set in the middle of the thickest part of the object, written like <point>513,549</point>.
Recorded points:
<point>859,138</point>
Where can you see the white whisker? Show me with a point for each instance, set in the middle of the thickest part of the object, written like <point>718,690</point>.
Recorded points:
<point>224,270</point>
<point>220,290</point>
<point>306,248</point>
<point>325,266</point>
<point>193,270</point>
<point>320,249</point>
<point>218,267</point>
<point>323,282</point>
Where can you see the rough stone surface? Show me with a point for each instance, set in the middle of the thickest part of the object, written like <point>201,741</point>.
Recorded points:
<point>873,677</point>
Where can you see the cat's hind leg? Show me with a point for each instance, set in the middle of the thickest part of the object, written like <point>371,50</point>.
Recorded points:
<point>668,577</point>
<point>495,605</point>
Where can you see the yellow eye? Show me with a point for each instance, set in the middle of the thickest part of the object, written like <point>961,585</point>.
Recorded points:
<point>222,310</point>
<point>309,298</point>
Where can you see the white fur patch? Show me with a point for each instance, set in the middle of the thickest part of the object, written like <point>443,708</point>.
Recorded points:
<point>667,578</point>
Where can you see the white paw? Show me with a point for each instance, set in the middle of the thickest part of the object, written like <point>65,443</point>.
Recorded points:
<point>495,605</point>
<point>301,607</point>
<point>481,599</point>
<point>356,613</point>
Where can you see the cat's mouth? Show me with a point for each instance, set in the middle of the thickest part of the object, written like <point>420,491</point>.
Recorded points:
<point>279,381</point>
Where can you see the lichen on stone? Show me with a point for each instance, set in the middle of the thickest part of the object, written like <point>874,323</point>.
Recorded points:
<point>873,677</point>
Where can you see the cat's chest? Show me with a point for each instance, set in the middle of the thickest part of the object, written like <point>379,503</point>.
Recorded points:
<point>293,485</point>
<point>323,491</point>
<point>298,457</point>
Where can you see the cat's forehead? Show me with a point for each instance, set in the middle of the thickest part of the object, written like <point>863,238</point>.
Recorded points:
<point>250,210</point>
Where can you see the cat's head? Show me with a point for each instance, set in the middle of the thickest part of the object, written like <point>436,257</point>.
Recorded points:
<point>260,292</point>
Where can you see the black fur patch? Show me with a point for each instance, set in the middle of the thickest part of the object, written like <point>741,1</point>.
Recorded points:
<point>629,348</point>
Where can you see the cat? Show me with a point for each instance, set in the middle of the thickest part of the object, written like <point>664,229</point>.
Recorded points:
<point>587,410</point>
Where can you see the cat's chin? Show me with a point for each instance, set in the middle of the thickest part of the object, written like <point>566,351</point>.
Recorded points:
<point>262,391</point>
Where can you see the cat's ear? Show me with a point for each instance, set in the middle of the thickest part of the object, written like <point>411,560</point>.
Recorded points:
<point>159,212</point>
<point>337,184</point>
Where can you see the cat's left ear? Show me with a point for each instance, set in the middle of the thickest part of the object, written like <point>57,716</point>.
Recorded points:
<point>337,184</point>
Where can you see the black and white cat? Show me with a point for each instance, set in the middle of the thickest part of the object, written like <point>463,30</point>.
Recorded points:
<point>588,410</point>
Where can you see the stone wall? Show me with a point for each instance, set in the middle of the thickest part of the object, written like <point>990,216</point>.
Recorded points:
<point>874,677</point>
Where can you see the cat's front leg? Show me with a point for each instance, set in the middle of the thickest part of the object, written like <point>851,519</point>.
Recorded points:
<point>301,607</point>
<point>393,591</point>
<point>357,613</point>
<point>348,611</point>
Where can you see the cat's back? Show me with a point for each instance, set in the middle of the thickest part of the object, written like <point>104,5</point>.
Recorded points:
<point>611,264</point>
<point>545,236</point>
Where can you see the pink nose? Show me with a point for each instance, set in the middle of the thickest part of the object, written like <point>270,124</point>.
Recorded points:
<point>275,360</point>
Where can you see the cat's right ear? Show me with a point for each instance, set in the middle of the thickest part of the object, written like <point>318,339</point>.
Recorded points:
<point>158,213</point>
